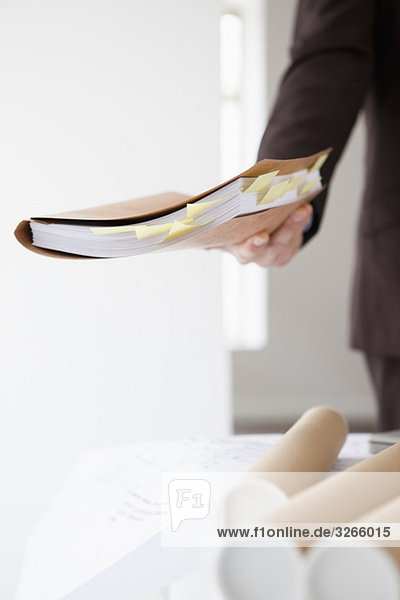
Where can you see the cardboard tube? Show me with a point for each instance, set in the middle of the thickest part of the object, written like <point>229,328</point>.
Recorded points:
<point>351,573</point>
<point>331,570</point>
<point>308,449</point>
<point>345,496</point>
<point>298,460</point>
<point>260,573</point>
<point>386,513</point>
<point>311,444</point>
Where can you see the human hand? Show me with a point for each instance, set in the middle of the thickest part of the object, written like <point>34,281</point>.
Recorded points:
<point>279,248</point>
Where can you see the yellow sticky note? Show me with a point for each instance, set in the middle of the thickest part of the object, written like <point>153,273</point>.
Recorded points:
<point>111,230</point>
<point>318,163</point>
<point>275,192</point>
<point>198,207</point>
<point>179,228</point>
<point>145,231</point>
<point>261,182</point>
<point>306,189</point>
<point>294,183</point>
<point>142,231</point>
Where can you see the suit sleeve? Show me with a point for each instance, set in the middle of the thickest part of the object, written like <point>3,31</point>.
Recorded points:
<point>323,89</point>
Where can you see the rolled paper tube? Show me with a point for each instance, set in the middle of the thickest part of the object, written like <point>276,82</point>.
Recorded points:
<point>351,573</point>
<point>386,513</point>
<point>311,444</point>
<point>298,460</point>
<point>309,448</point>
<point>331,570</point>
<point>260,573</point>
<point>345,496</point>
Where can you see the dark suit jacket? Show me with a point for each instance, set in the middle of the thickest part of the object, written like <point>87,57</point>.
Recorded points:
<point>346,56</point>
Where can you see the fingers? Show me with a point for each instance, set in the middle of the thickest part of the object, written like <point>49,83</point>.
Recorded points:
<point>277,250</point>
<point>251,249</point>
<point>293,226</point>
<point>279,255</point>
<point>286,241</point>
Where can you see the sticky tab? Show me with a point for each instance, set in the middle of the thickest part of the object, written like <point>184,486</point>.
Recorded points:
<point>318,163</point>
<point>295,182</point>
<point>196,208</point>
<point>113,230</point>
<point>145,231</point>
<point>180,228</point>
<point>275,192</point>
<point>261,182</point>
<point>308,187</point>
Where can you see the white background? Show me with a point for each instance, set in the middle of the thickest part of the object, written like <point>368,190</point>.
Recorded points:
<point>102,101</point>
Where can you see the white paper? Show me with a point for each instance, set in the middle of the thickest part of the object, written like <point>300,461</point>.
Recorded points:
<point>111,507</point>
<point>116,241</point>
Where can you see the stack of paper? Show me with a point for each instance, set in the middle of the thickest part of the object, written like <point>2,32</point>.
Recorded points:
<point>168,220</point>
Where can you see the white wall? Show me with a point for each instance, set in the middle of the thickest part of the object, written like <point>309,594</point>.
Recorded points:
<point>307,360</point>
<point>100,101</point>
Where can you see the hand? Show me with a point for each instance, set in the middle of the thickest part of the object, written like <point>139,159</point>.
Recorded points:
<point>279,248</point>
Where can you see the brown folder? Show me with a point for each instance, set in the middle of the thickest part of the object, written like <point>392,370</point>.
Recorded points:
<point>142,209</point>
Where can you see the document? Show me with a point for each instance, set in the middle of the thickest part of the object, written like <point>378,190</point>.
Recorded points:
<point>111,505</point>
<point>101,536</point>
<point>259,199</point>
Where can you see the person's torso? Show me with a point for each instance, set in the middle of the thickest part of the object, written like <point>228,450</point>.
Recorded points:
<point>381,208</point>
